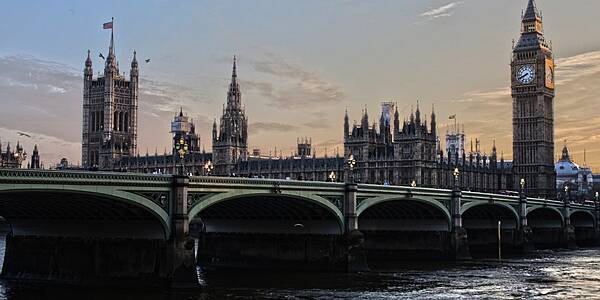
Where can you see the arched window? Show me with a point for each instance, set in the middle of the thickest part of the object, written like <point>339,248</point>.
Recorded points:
<point>93,121</point>
<point>102,120</point>
<point>121,121</point>
<point>126,123</point>
<point>116,121</point>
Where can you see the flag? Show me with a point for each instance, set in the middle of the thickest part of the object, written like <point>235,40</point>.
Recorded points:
<point>108,25</point>
<point>452,117</point>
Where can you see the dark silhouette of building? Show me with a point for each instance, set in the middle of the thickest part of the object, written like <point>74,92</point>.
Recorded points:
<point>35,159</point>
<point>532,78</point>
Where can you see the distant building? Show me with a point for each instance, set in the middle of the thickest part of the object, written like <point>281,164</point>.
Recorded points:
<point>575,181</point>
<point>182,127</point>
<point>12,158</point>
<point>35,159</point>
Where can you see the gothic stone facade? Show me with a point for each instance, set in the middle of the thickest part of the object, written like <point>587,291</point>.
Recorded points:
<point>532,77</point>
<point>230,142</point>
<point>110,105</point>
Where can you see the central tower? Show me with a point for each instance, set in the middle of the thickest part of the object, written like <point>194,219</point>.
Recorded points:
<point>532,81</point>
<point>230,143</point>
<point>110,103</point>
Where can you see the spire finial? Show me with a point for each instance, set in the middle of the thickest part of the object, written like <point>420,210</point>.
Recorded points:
<point>181,111</point>
<point>234,72</point>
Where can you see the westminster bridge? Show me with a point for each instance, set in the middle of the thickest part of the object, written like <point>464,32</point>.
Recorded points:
<point>97,228</point>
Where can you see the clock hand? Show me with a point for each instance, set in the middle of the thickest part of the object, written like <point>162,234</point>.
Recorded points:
<point>523,76</point>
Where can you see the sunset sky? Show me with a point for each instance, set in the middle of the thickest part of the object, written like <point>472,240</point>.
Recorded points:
<point>301,64</point>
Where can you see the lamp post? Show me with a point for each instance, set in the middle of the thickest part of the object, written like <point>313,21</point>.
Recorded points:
<point>181,147</point>
<point>456,174</point>
<point>522,205</point>
<point>331,176</point>
<point>208,167</point>
<point>351,163</point>
<point>413,184</point>
<point>567,196</point>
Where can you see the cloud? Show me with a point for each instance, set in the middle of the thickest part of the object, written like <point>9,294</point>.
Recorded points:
<point>442,11</point>
<point>261,127</point>
<point>296,87</point>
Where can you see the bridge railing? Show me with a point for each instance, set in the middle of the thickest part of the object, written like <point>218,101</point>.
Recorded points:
<point>60,175</point>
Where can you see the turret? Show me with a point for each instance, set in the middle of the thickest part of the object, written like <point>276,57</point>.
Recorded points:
<point>346,125</point>
<point>214,131</point>
<point>396,121</point>
<point>134,67</point>
<point>433,121</point>
<point>88,71</point>
<point>418,114</point>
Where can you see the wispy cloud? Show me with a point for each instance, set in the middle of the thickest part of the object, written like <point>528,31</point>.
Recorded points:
<point>260,127</point>
<point>442,11</point>
<point>296,87</point>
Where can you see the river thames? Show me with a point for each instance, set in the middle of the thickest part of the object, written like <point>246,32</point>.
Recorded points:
<point>542,275</point>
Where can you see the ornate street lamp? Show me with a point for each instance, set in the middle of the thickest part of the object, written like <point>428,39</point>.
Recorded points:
<point>456,174</point>
<point>567,196</point>
<point>181,147</point>
<point>522,184</point>
<point>413,184</point>
<point>208,167</point>
<point>331,176</point>
<point>351,163</point>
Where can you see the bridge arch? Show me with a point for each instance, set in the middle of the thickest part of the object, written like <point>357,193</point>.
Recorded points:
<point>82,211</point>
<point>582,218</point>
<point>287,212</point>
<point>484,214</point>
<point>544,217</point>
<point>392,212</point>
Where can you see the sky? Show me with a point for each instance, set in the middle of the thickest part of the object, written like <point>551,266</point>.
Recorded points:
<point>301,64</point>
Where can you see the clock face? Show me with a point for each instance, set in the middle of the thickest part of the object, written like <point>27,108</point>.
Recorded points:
<point>526,74</point>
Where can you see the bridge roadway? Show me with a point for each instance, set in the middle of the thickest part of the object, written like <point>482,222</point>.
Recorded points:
<point>95,228</point>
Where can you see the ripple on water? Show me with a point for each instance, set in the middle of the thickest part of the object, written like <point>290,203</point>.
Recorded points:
<point>543,275</point>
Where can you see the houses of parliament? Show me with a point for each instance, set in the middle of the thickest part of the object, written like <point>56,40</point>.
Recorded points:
<point>391,151</point>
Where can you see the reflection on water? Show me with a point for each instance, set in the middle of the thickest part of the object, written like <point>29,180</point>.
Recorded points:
<point>543,275</point>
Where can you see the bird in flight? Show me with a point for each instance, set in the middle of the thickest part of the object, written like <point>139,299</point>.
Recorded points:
<point>147,60</point>
<point>101,56</point>
<point>24,134</point>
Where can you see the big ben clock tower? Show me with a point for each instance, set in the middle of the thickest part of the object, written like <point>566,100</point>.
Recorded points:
<point>532,81</point>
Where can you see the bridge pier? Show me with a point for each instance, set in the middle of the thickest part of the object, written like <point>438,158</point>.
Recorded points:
<point>459,245</point>
<point>568,238</point>
<point>524,238</point>
<point>597,205</point>
<point>353,238</point>
<point>180,255</point>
